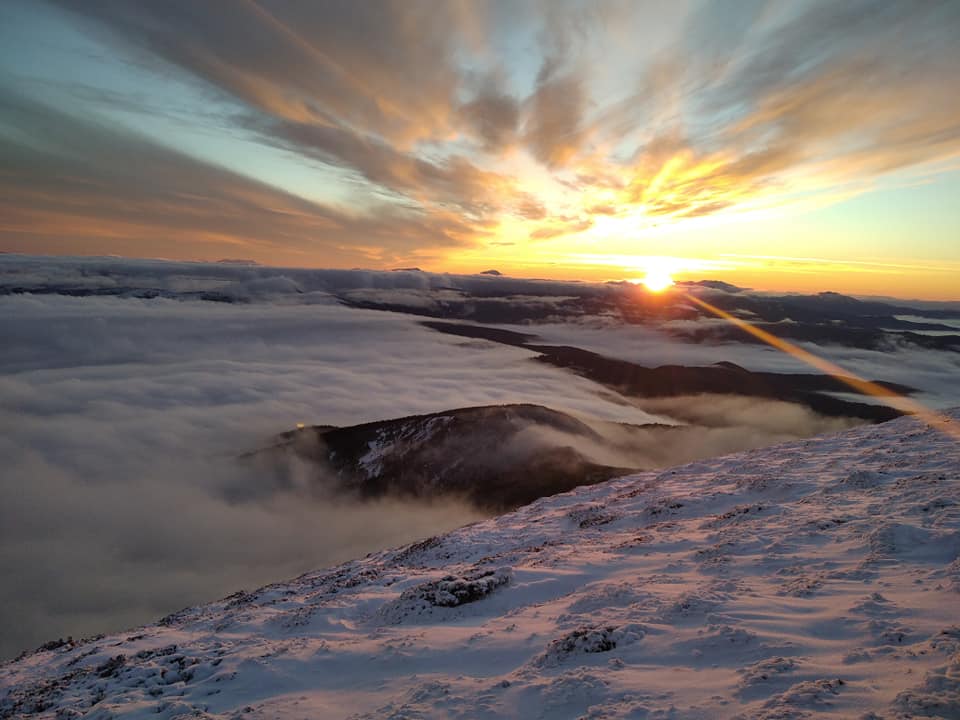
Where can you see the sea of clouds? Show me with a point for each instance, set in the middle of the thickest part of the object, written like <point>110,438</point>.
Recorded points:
<point>122,418</point>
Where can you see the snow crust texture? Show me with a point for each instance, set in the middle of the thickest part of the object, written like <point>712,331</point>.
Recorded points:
<point>817,578</point>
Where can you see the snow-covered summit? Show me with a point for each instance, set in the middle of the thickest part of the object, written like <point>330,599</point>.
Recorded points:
<point>817,577</point>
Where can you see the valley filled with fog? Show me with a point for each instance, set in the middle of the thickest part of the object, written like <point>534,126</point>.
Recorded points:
<point>132,390</point>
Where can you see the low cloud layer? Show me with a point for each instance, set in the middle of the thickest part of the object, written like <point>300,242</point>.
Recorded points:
<point>709,426</point>
<point>121,420</point>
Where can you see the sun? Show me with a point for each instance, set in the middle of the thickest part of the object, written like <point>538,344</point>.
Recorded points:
<point>657,279</point>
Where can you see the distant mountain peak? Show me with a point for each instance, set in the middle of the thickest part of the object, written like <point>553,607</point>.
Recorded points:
<point>832,296</point>
<point>715,285</point>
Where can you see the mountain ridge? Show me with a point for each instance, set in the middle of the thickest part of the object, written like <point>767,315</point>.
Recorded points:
<point>488,455</point>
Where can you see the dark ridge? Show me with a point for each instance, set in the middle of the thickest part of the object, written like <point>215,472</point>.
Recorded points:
<point>932,342</point>
<point>504,337</point>
<point>713,285</point>
<point>123,292</point>
<point>826,308</point>
<point>864,338</point>
<point>827,318</point>
<point>675,380</point>
<point>731,366</point>
<point>471,453</point>
<point>478,309</point>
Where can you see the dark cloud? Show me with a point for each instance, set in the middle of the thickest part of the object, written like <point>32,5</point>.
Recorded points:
<point>553,128</point>
<point>493,116</point>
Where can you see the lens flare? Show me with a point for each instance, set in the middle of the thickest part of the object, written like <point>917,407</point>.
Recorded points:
<point>865,387</point>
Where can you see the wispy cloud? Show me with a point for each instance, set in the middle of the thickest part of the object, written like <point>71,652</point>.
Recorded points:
<point>73,186</point>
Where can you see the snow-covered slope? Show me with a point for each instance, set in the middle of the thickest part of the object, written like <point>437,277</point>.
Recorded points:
<point>818,577</point>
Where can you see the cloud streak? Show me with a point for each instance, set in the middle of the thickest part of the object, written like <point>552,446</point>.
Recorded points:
<point>81,187</point>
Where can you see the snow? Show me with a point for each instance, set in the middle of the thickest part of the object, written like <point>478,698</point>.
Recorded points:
<point>371,462</point>
<point>819,577</point>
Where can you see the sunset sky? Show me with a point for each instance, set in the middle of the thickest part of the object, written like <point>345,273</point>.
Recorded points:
<point>777,145</point>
